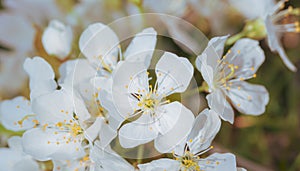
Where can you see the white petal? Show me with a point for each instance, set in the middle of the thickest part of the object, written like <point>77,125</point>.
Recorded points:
<point>42,145</point>
<point>92,132</point>
<point>57,39</point>
<point>9,158</point>
<point>73,72</point>
<point>12,160</point>
<point>108,160</point>
<point>16,114</point>
<point>275,44</point>
<point>15,143</point>
<point>217,161</point>
<point>129,77</point>
<point>285,59</point>
<point>160,164</point>
<point>213,51</point>
<point>107,134</point>
<point>98,40</point>
<point>173,73</point>
<point>114,118</point>
<point>53,108</point>
<point>26,164</point>
<point>167,142</point>
<point>142,47</point>
<point>206,127</point>
<point>41,77</point>
<point>74,165</point>
<point>248,98</point>
<point>14,30</point>
<point>206,70</point>
<point>217,102</point>
<point>137,132</point>
<point>247,55</point>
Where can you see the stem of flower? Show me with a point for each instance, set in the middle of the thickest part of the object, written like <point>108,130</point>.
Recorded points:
<point>202,88</point>
<point>235,38</point>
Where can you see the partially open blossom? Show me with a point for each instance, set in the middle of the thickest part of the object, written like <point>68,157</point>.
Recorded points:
<point>57,39</point>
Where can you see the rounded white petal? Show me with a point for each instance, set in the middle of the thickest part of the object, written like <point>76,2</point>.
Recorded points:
<point>206,70</point>
<point>53,108</point>
<point>168,141</point>
<point>16,114</point>
<point>57,39</point>
<point>160,164</point>
<point>98,42</point>
<point>212,53</point>
<point>217,161</point>
<point>41,77</point>
<point>247,56</point>
<point>248,98</point>
<point>173,74</point>
<point>73,72</point>
<point>137,132</point>
<point>217,102</point>
<point>45,144</point>
<point>206,127</point>
<point>26,164</point>
<point>108,160</point>
<point>142,47</point>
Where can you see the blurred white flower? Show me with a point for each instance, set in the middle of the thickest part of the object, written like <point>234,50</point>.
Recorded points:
<point>14,159</point>
<point>57,39</point>
<point>20,22</point>
<point>133,96</point>
<point>269,15</point>
<point>186,155</point>
<point>225,77</point>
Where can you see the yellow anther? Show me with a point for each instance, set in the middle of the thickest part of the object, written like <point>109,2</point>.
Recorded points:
<point>254,75</point>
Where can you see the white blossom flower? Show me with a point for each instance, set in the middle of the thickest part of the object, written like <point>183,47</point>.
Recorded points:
<point>100,45</point>
<point>57,39</point>
<point>269,15</point>
<point>225,77</point>
<point>186,155</point>
<point>161,120</point>
<point>14,159</point>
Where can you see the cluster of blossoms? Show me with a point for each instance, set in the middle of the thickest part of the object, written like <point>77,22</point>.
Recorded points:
<point>76,113</point>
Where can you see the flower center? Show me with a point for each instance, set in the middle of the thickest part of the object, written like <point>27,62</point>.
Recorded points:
<point>189,162</point>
